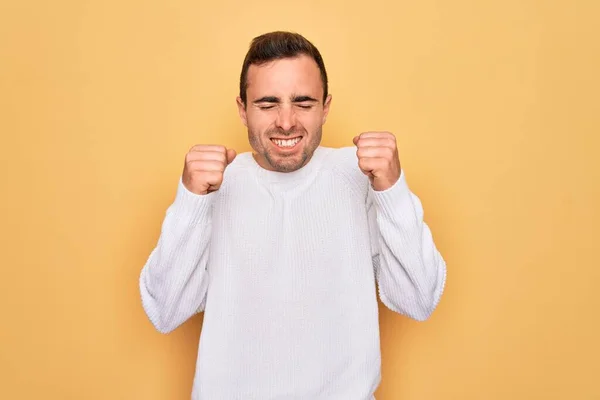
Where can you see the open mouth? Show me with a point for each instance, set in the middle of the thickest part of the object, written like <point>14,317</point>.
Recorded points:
<point>287,143</point>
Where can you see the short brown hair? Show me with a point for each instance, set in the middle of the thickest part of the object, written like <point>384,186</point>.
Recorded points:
<point>278,45</point>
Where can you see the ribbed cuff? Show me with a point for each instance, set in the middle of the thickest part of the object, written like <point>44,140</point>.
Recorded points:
<point>394,199</point>
<point>191,206</point>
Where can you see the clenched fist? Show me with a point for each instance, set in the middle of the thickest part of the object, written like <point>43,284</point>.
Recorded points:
<point>204,168</point>
<point>378,158</point>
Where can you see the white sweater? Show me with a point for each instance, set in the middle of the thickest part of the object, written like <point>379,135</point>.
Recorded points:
<point>285,266</point>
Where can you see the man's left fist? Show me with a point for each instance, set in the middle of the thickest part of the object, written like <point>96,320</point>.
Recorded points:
<point>378,158</point>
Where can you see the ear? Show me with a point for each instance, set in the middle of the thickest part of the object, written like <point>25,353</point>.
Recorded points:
<point>242,110</point>
<point>326,108</point>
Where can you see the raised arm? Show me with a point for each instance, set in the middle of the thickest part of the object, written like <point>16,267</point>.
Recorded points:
<point>174,282</point>
<point>410,271</point>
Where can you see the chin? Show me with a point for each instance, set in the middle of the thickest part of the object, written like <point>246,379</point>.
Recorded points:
<point>287,164</point>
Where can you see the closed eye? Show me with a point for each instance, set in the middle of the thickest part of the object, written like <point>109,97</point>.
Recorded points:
<point>267,102</point>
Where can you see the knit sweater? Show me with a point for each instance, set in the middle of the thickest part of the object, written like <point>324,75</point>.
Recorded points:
<point>286,268</point>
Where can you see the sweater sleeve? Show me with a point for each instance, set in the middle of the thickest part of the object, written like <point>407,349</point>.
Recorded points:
<point>409,269</point>
<point>173,282</point>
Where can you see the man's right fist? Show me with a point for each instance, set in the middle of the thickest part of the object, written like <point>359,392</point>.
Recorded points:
<point>204,168</point>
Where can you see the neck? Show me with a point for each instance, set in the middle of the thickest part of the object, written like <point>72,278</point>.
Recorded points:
<point>266,171</point>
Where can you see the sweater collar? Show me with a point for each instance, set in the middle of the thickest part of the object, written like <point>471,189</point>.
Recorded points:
<point>282,177</point>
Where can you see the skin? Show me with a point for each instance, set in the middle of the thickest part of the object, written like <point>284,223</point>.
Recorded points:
<point>378,158</point>
<point>285,101</point>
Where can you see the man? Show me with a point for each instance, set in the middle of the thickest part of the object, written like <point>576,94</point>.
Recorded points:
<point>283,248</point>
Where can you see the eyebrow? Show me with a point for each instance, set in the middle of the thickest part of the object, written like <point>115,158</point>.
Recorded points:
<point>267,99</point>
<point>277,100</point>
<point>303,99</point>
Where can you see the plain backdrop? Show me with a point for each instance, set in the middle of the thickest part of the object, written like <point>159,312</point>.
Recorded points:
<point>495,107</point>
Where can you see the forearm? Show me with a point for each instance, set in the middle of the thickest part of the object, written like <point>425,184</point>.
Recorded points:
<point>410,270</point>
<point>173,282</point>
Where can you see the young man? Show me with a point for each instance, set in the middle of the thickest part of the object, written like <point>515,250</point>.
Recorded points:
<point>284,248</point>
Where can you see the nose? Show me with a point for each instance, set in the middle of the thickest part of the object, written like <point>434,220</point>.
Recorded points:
<point>286,118</point>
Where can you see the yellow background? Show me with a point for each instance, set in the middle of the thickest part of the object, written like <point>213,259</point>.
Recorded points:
<point>496,108</point>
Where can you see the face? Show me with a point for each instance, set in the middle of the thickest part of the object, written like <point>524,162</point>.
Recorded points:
<point>284,112</point>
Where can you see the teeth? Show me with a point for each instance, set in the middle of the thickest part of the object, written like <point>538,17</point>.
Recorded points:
<point>286,143</point>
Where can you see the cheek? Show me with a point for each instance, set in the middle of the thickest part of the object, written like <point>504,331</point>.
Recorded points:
<point>311,121</point>
<point>258,123</point>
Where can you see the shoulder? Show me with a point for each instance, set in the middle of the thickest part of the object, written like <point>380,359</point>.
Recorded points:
<point>239,165</point>
<point>340,158</point>
<point>238,171</point>
<point>343,162</point>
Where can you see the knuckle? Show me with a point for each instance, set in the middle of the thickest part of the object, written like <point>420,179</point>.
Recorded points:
<point>194,165</point>
<point>192,156</point>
